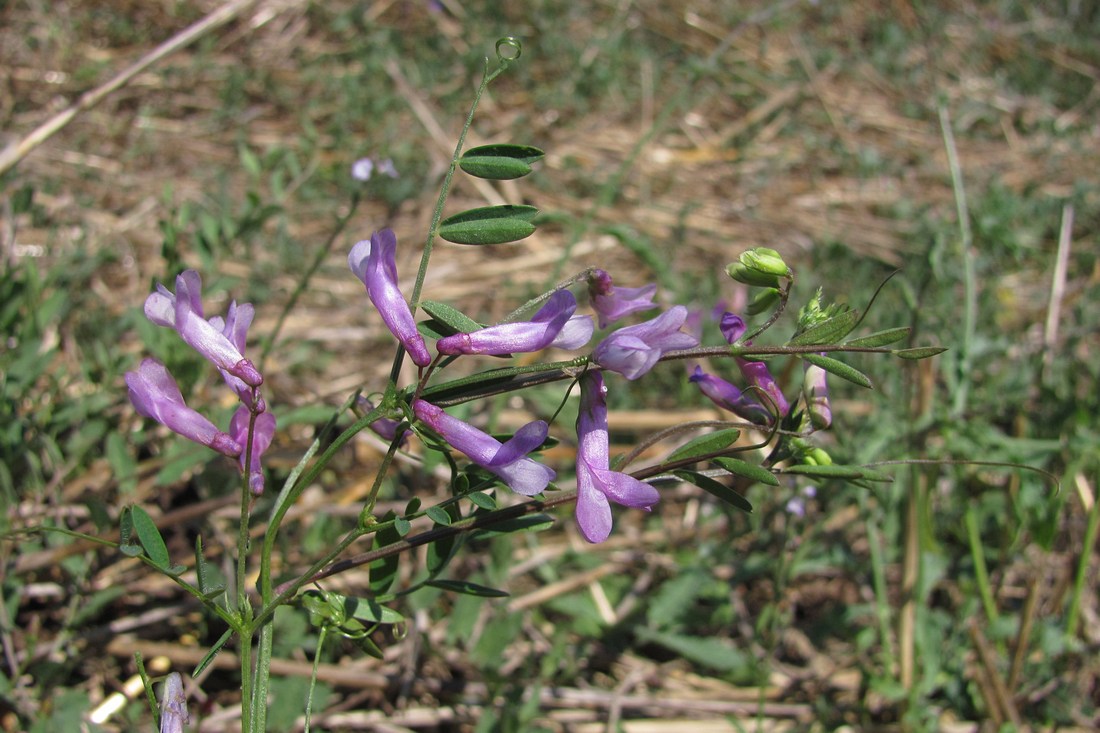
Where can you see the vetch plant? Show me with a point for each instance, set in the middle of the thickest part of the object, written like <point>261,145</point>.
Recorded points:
<point>486,469</point>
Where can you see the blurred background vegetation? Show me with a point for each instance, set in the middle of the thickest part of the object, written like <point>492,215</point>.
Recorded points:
<point>957,141</point>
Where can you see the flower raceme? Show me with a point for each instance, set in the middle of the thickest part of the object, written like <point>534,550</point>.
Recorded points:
<point>374,261</point>
<point>632,351</point>
<point>612,303</point>
<point>507,460</point>
<point>597,485</point>
<point>553,325</point>
<point>183,312</point>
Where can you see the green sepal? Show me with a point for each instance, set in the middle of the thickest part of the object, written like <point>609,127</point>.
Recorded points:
<point>880,338</point>
<point>489,225</point>
<point>705,445</point>
<point>468,588</point>
<point>839,368</point>
<point>747,470</point>
<point>716,489</point>
<point>922,352</point>
<point>828,331</point>
<point>745,275</point>
<point>500,162</point>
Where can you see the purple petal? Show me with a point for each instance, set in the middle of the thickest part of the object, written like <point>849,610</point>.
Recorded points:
<point>516,338</point>
<point>732,326</point>
<point>154,394</point>
<point>612,303</point>
<point>375,263</point>
<point>593,510</point>
<point>729,397</point>
<point>632,351</point>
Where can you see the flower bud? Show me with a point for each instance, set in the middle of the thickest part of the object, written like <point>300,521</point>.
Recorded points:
<point>763,300</point>
<point>745,274</point>
<point>765,260</point>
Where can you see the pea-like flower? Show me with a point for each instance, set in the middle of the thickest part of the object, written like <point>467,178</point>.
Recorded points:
<point>154,393</point>
<point>263,433</point>
<point>632,351</point>
<point>374,262</point>
<point>507,460</point>
<point>597,485</point>
<point>729,397</point>
<point>182,311</point>
<point>552,325</point>
<point>612,303</point>
<point>755,373</point>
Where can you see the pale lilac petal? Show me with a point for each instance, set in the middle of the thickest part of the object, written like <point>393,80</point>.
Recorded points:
<point>154,394</point>
<point>632,351</point>
<point>593,511</point>
<point>612,303</point>
<point>519,337</point>
<point>576,333</point>
<point>173,705</point>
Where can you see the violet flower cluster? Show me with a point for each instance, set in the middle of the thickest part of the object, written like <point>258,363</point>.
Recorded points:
<point>155,394</point>
<point>631,351</point>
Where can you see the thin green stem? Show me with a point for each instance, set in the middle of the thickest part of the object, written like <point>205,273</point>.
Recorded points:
<point>1081,576</point>
<point>981,572</point>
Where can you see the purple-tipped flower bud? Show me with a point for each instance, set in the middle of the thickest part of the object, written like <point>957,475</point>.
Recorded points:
<point>507,460</point>
<point>375,263</point>
<point>154,394</point>
<point>597,485</point>
<point>183,312</point>
<point>729,397</point>
<point>612,303</point>
<point>755,372</point>
<point>553,325</point>
<point>632,351</point>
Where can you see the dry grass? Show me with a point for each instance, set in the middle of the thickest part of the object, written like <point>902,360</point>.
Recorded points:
<point>766,154</point>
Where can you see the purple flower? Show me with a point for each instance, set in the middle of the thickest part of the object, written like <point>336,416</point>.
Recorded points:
<point>363,169</point>
<point>597,486</point>
<point>507,460</point>
<point>632,351</point>
<point>729,397</point>
<point>183,312</point>
<point>553,325</point>
<point>375,263</point>
<point>755,372</point>
<point>263,433</point>
<point>235,328</point>
<point>815,389</point>
<point>155,394</point>
<point>612,303</point>
<point>796,505</point>
<point>383,426</point>
<point>173,705</point>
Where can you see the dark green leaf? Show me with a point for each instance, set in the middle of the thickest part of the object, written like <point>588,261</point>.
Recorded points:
<point>489,225</point>
<point>365,609</point>
<point>748,470</point>
<point>149,537</point>
<point>706,445</point>
<point>880,338</point>
<point>442,550</point>
<point>402,526</point>
<point>439,515</point>
<point>829,331</point>
<point>209,656</point>
<point>452,318</point>
<point>530,523</point>
<point>922,352</point>
<point>413,506</point>
<point>499,162</point>
<point>468,588</point>
<point>717,489</point>
<point>839,368</point>
<point>483,500</point>
<point>384,571</point>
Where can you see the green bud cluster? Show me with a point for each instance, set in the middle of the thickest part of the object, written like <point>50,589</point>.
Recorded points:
<point>759,267</point>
